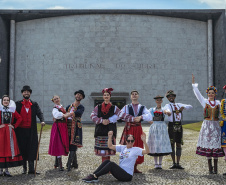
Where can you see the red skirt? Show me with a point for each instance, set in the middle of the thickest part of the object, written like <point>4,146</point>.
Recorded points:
<point>136,131</point>
<point>7,159</point>
<point>59,142</point>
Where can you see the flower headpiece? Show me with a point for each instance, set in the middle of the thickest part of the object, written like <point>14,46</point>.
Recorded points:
<point>108,90</point>
<point>211,88</point>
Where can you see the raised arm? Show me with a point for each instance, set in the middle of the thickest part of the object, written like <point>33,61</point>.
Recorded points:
<point>197,93</point>
<point>110,145</point>
<point>146,149</point>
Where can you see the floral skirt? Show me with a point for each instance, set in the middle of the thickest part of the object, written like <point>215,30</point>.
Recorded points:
<point>209,142</point>
<point>101,146</point>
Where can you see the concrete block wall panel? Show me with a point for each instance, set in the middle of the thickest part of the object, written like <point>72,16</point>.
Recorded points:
<point>220,54</point>
<point>4,55</point>
<point>149,53</point>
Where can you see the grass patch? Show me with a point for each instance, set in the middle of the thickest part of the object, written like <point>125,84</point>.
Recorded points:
<point>193,126</point>
<point>46,127</point>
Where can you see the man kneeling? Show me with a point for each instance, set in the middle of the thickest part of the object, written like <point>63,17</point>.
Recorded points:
<point>127,157</point>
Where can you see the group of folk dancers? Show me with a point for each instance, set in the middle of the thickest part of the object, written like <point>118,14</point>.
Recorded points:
<point>19,139</point>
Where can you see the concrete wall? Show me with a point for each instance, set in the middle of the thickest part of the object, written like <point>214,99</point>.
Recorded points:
<point>149,53</point>
<point>4,55</point>
<point>220,54</point>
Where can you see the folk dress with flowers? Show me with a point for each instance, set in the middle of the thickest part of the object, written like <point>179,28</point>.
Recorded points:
<point>209,142</point>
<point>158,138</point>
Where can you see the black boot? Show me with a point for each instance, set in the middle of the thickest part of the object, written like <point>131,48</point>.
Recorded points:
<point>24,167</point>
<point>215,166</point>
<point>60,164</point>
<point>210,166</point>
<point>56,163</point>
<point>31,168</point>
<point>75,163</point>
<point>70,160</point>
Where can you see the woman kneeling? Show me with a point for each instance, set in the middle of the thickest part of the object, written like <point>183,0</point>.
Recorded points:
<point>127,157</point>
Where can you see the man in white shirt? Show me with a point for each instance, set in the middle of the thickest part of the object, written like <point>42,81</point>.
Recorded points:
<point>175,129</point>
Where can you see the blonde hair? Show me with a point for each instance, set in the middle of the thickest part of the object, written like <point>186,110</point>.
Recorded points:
<point>54,96</point>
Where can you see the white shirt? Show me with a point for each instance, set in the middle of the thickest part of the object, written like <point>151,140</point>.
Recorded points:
<point>128,157</point>
<point>178,105</point>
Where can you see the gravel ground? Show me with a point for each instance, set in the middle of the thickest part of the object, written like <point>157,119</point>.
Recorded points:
<point>196,168</point>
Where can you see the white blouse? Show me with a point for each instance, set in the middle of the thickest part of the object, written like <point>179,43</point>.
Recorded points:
<point>56,113</point>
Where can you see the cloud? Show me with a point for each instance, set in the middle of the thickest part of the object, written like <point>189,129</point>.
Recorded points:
<point>57,7</point>
<point>219,4</point>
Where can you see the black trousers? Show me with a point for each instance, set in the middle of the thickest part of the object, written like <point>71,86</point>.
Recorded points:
<point>108,166</point>
<point>23,138</point>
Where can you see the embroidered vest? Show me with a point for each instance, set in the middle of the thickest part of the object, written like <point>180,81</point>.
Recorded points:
<point>211,113</point>
<point>131,110</point>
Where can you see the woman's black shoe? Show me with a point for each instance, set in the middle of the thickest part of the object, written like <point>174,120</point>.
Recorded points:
<point>7,174</point>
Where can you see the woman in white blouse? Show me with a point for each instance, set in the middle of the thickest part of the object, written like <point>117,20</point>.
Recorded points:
<point>209,142</point>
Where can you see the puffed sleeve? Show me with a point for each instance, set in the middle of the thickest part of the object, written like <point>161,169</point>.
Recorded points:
<point>57,114</point>
<point>94,116</point>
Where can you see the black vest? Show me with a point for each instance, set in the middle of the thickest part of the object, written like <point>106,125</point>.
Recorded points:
<point>102,130</point>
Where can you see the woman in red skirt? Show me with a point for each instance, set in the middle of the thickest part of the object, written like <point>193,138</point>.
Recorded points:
<point>59,142</point>
<point>9,151</point>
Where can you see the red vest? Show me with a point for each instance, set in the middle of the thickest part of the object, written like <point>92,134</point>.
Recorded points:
<point>26,116</point>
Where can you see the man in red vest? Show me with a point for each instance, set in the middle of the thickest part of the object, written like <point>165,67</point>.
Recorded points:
<point>27,134</point>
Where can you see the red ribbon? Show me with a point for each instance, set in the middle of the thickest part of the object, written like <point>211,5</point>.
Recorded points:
<point>27,103</point>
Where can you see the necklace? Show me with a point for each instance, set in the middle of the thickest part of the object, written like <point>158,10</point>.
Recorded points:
<point>213,105</point>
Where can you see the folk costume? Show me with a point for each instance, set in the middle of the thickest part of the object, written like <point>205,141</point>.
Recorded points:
<point>158,139</point>
<point>101,112</point>
<point>175,128</point>
<point>26,132</point>
<point>209,142</point>
<point>127,114</point>
<point>74,125</point>
<point>223,124</point>
<point>59,141</point>
<point>9,151</point>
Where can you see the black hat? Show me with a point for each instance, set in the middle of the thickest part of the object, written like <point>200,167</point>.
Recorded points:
<point>170,92</point>
<point>26,88</point>
<point>80,92</point>
<point>158,96</point>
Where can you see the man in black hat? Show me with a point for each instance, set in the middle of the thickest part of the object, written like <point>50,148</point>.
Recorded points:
<point>26,133</point>
<point>175,129</point>
<point>75,111</point>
